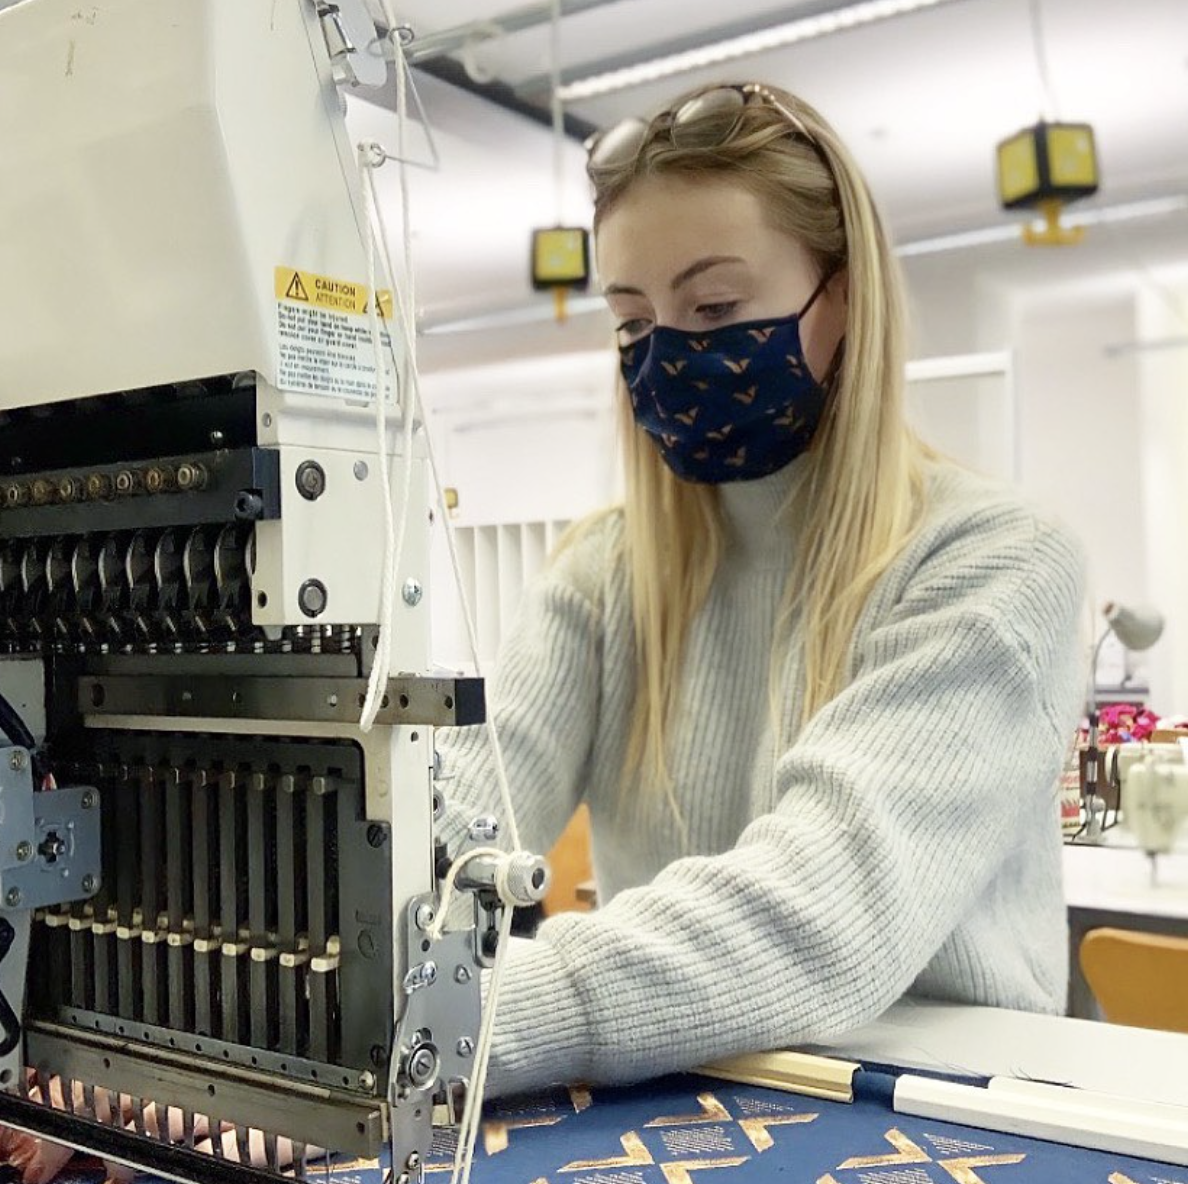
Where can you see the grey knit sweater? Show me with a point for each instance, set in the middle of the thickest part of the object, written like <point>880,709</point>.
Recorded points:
<point>907,838</point>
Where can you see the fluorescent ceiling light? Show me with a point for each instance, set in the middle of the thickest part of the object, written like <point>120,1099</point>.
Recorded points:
<point>731,48</point>
<point>1005,232</point>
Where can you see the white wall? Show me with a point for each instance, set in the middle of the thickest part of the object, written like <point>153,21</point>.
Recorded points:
<point>1162,465</point>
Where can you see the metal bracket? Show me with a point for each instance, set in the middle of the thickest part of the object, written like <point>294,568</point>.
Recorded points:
<point>50,854</point>
<point>442,996</point>
<point>430,702</point>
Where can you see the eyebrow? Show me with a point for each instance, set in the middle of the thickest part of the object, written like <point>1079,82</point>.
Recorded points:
<point>681,278</point>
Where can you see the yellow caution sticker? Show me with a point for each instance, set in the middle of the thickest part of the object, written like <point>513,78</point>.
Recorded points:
<point>324,343</point>
<point>323,291</point>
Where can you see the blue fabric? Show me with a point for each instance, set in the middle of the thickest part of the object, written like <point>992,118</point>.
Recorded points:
<point>733,404</point>
<point>694,1130</point>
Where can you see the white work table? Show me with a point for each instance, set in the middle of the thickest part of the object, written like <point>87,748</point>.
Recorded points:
<point>1111,885</point>
<point>1132,1063</point>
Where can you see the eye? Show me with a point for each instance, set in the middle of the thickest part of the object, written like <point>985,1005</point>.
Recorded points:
<point>633,329</point>
<point>721,311</point>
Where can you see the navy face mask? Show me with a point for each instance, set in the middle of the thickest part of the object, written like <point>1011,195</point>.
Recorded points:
<point>732,404</point>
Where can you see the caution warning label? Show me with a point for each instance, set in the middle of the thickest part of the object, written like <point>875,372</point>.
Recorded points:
<point>324,344</point>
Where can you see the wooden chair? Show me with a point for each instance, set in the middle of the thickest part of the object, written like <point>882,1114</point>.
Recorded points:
<point>1138,979</point>
<point>570,861</point>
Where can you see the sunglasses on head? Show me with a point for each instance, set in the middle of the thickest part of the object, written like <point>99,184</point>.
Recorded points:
<point>707,120</point>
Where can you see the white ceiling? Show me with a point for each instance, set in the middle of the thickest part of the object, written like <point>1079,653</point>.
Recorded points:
<point>921,99</point>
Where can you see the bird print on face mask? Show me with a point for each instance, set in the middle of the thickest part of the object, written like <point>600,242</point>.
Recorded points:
<point>734,404</point>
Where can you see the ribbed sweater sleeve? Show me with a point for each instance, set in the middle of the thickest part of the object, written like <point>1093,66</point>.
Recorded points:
<point>896,808</point>
<point>544,700</point>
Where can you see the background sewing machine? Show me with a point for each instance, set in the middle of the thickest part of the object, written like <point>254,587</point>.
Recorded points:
<point>215,885</point>
<point>1153,794</point>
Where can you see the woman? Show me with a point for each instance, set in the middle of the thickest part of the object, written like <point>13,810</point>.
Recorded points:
<point>814,682</point>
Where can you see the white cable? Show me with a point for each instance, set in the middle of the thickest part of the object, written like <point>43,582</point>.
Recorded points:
<point>557,113</point>
<point>404,316</point>
<point>472,1111</point>
<point>370,158</point>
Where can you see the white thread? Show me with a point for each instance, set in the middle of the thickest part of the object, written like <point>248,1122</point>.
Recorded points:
<point>413,406</point>
<point>472,1111</point>
<point>371,158</point>
<point>447,886</point>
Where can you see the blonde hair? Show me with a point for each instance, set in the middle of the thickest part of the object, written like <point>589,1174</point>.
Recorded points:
<point>862,491</point>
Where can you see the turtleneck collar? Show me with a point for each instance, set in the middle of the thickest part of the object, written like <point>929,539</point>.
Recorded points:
<point>757,532</point>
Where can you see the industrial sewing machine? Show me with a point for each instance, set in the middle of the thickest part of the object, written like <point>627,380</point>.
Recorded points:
<point>215,887</point>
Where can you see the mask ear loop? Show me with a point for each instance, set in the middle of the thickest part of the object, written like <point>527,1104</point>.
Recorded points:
<point>825,281</point>
<point>829,378</point>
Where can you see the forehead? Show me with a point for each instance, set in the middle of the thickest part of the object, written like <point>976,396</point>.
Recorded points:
<point>663,223</point>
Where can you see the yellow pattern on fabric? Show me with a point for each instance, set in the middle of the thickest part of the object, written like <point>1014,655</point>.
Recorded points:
<point>711,1111</point>
<point>756,1128</point>
<point>906,1152</point>
<point>496,1134</point>
<point>962,1170</point>
<point>636,1154</point>
<point>679,1173</point>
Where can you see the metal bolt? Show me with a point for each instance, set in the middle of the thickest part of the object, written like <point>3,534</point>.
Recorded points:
<point>311,480</point>
<point>466,1047</point>
<point>266,419</point>
<point>413,1162</point>
<point>16,760</point>
<point>191,476</point>
<point>216,438</point>
<point>13,898</point>
<point>24,850</point>
<point>377,835</point>
<point>412,591</point>
<point>462,975</point>
<point>312,598</point>
<point>88,884</point>
<point>425,916</point>
<point>88,800</point>
<point>484,829</point>
<point>367,1080</point>
<point>361,470</point>
<point>249,506</point>
<point>404,1178</point>
<point>424,974</point>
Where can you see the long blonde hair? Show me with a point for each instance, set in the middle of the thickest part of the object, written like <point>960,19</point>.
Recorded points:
<point>862,493</point>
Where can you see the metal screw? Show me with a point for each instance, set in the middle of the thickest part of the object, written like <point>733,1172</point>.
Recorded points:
<point>484,829</point>
<point>266,419</point>
<point>88,800</point>
<point>425,916</point>
<point>312,598</point>
<point>466,1047</point>
<point>412,591</point>
<point>88,884</point>
<point>249,506</point>
<point>16,760</point>
<point>462,975</point>
<point>404,1178</point>
<point>13,898</point>
<point>216,438</point>
<point>422,975</point>
<point>413,1162</point>
<point>422,1065</point>
<point>377,835</point>
<point>311,480</point>
<point>24,850</point>
<point>367,1079</point>
<point>361,470</point>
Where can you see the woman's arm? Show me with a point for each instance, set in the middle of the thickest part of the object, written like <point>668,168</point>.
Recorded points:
<point>897,806</point>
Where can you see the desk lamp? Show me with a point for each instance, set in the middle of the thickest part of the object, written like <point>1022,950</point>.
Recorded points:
<point>1137,629</point>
